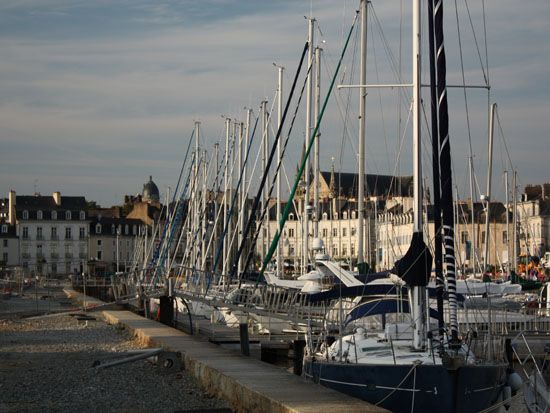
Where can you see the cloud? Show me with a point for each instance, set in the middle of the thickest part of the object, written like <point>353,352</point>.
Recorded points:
<point>114,87</point>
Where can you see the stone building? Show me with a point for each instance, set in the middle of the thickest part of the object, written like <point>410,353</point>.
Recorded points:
<point>52,231</point>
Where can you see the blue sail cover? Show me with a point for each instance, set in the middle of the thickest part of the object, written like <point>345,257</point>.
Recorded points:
<point>382,306</point>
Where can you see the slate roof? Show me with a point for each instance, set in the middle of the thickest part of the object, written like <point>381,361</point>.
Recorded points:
<point>46,204</point>
<point>345,184</point>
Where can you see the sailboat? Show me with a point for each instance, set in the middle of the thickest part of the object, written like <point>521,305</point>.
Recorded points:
<point>407,367</point>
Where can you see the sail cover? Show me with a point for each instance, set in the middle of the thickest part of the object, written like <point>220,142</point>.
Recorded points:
<point>415,266</point>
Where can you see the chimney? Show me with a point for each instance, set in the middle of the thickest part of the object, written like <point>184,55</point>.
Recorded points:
<point>57,198</point>
<point>11,212</point>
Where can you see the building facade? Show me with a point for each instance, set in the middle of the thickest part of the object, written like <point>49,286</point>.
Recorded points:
<point>52,231</point>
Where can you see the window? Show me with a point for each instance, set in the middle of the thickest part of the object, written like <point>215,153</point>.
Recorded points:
<point>25,232</point>
<point>291,232</point>
<point>134,230</point>
<point>344,249</point>
<point>54,267</point>
<point>344,232</point>
<point>504,236</point>
<point>483,237</point>
<point>126,229</point>
<point>82,215</point>
<point>352,249</point>
<point>5,257</point>
<point>68,234</point>
<point>5,243</point>
<point>113,229</point>
<point>98,229</point>
<point>334,251</point>
<point>39,233</point>
<point>463,237</point>
<point>325,216</point>
<point>68,215</point>
<point>353,214</point>
<point>336,215</point>
<point>99,243</point>
<point>4,229</point>
<point>39,250</point>
<point>353,231</point>
<point>54,215</point>
<point>334,232</point>
<point>54,233</point>
<point>291,217</point>
<point>325,232</point>
<point>99,254</point>
<point>82,233</point>
<point>25,214</point>
<point>345,216</point>
<point>39,214</point>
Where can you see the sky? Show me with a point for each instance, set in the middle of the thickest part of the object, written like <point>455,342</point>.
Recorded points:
<point>97,95</point>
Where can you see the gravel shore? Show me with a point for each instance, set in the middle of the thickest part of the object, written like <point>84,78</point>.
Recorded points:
<point>46,365</point>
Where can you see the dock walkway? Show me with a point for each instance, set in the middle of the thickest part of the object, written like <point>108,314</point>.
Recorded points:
<point>248,384</point>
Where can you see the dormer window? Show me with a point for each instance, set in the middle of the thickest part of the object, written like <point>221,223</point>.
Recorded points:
<point>113,230</point>
<point>25,214</point>
<point>353,215</point>
<point>82,215</point>
<point>39,214</point>
<point>325,216</point>
<point>68,215</point>
<point>345,215</point>
<point>134,230</point>
<point>126,229</point>
<point>54,215</point>
<point>98,229</point>
<point>291,217</point>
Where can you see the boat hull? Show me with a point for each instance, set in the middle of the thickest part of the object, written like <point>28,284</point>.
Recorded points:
<point>418,388</point>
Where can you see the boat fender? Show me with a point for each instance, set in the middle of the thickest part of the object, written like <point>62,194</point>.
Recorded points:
<point>514,382</point>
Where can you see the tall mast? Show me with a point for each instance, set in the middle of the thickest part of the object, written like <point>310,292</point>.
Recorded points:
<point>507,201</point>
<point>280,70</point>
<point>316,108</point>
<point>418,293</point>
<point>244,182</point>
<point>446,170</point>
<point>224,198</point>
<point>305,247</point>
<point>473,214</point>
<point>515,222</point>
<point>489,181</point>
<point>438,230</point>
<point>240,216</point>
<point>196,199</point>
<point>362,104</point>
<point>204,213</point>
<point>264,166</point>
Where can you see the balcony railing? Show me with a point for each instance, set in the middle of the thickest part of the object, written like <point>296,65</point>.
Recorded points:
<point>54,255</point>
<point>39,237</point>
<point>68,255</point>
<point>25,255</point>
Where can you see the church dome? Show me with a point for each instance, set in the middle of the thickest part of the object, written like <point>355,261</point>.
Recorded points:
<point>151,191</point>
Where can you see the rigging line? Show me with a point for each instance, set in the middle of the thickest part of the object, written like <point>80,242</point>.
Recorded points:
<point>468,127</point>
<point>345,115</point>
<point>485,39</point>
<point>504,142</point>
<point>485,75</point>
<point>311,141</point>
<point>235,196</point>
<point>256,203</point>
<point>283,151</point>
<point>379,92</point>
